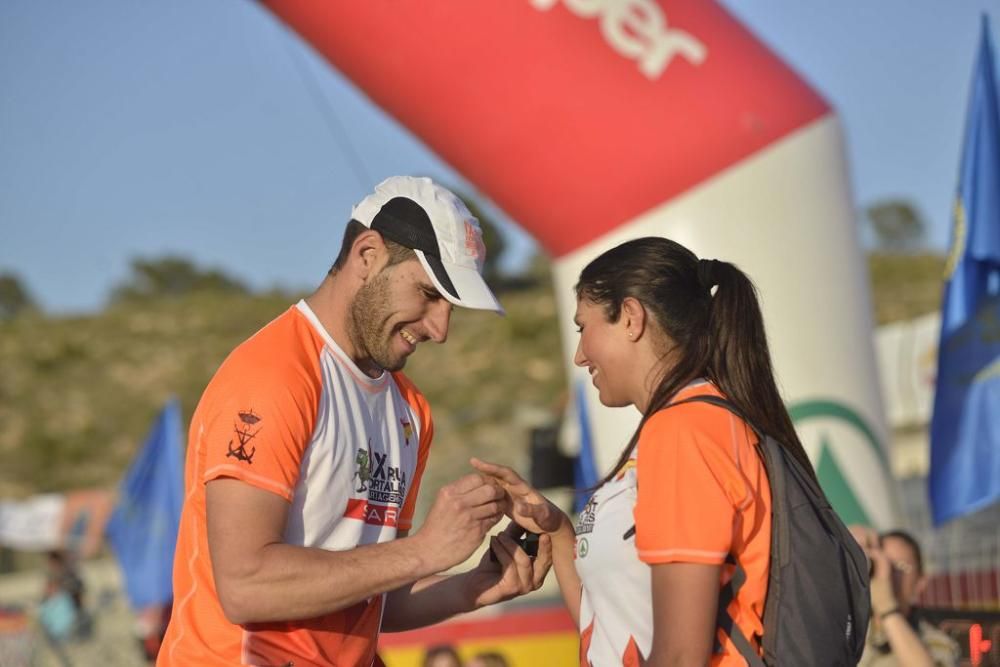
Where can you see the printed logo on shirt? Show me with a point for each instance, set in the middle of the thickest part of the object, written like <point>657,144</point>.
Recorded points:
<point>474,243</point>
<point>245,429</point>
<point>363,472</point>
<point>386,487</point>
<point>586,522</point>
<point>374,514</point>
<point>407,431</point>
<point>388,482</point>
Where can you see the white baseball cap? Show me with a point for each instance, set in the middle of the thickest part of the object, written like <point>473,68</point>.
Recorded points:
<point>420,214</point>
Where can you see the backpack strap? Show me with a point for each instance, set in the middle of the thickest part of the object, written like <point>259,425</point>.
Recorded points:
<point>775,474</point>
<point>720,402</point>
<point>723,619</point>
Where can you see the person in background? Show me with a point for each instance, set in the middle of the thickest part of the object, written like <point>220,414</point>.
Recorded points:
<point>686,511</point>
<point>898,636</point>
<point>62,614</point>
<point>61,576</point>
<point>444,655</point>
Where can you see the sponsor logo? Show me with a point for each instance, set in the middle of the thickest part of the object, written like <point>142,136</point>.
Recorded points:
<point>374,514</point>
<point>246,427</point>
<point>407,431</point>
<point>363,471</point>
<point>385,485</point>
<point>474,243</point>
<point>637,30</point>
<point>585,524</point>
<point>388,482</point>
<point>582,547</point>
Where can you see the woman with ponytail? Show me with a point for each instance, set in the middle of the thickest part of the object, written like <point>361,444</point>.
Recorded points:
<point>687,507</point>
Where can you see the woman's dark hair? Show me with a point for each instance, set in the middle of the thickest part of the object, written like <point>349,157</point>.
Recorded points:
<point>718,334</point>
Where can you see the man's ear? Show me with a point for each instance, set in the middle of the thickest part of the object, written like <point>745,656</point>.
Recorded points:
<point>367,254</point>
<point>633,316</point>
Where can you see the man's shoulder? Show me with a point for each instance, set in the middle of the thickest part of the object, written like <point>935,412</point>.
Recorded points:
<point>283,355</point>
<point>286,341</point>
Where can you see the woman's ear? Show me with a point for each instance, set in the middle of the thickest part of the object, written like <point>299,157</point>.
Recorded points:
<point>633,317</point>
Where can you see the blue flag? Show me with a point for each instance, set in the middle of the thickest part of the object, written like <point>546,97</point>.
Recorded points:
<point>965,428</point>
<point>143,527</point>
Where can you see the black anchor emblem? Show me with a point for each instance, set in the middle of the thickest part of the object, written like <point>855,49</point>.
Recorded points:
<point>244,434</point>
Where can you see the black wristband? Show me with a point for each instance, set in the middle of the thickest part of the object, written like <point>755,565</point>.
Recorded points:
<point>886,614</point>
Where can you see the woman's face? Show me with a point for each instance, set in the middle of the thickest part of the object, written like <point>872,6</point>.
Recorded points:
<point>604,350</point>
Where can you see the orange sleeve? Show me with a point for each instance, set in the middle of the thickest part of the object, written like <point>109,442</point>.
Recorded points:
<point>687,484</point>
<point>255,423</point>
<point>423,410</point>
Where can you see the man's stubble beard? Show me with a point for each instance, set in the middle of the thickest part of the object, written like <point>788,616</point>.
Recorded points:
<point>369,323</point>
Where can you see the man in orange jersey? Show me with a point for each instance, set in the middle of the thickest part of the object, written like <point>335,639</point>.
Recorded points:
<point>305,456</point>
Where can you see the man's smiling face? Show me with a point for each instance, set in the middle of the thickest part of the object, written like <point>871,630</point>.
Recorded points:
<point>395,311</point>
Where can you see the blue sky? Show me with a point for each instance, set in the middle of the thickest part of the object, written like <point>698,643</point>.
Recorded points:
<point>206,129</point>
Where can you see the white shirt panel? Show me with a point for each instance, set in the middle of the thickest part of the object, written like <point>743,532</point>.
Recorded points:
<point>617,588</point>
<point>361,460</point>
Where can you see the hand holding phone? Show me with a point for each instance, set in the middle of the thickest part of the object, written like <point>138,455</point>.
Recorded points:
<point>528,542</point>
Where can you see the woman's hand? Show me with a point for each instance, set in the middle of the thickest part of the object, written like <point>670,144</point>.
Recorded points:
<point>523,504</point>
<point>532,511</point>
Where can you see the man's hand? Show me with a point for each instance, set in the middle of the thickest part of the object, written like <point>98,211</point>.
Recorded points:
<point>513,574</point>
<point>522,503</point>
<point>463,513</point>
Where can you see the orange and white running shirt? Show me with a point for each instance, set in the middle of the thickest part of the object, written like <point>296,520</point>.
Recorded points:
<point>694,491</point>
<point>288,412</point>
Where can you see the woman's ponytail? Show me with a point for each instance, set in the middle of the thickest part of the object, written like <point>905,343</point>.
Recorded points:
<point>739,361</point>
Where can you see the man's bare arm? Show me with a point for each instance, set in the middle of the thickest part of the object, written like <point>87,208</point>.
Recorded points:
<point>259,578</point>
<point>436,598</point>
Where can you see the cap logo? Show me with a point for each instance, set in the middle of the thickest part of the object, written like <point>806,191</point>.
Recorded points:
<point>474,243</point>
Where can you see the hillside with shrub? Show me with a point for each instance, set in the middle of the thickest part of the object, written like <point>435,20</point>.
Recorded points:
<point>78,394</point>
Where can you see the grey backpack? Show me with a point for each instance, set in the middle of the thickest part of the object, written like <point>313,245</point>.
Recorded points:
<point>818,604</point>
